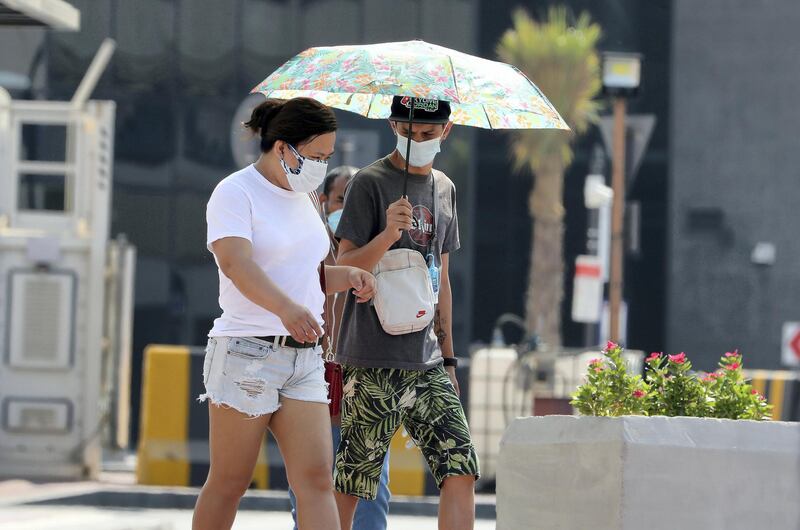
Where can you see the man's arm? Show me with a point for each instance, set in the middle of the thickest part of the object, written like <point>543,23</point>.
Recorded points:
<point>365,257</point>
<point>443,320</point>
<point>398,218</point>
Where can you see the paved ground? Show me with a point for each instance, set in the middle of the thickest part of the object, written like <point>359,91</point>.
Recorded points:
<point>84,518</point>
<point>17,512</point>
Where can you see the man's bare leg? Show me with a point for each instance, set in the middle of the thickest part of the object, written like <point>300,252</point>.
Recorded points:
<point>347,509</point>
<point>457,503</point>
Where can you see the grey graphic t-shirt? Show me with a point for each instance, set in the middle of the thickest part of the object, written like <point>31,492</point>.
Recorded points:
<point>362,341</point>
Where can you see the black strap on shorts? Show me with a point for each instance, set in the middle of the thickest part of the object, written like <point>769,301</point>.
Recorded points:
<point>288,342</point>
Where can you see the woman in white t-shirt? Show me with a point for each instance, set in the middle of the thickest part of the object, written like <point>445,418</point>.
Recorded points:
<point>263,367</point>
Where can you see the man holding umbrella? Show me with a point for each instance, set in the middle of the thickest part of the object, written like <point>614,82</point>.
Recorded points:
<point>408,379</point>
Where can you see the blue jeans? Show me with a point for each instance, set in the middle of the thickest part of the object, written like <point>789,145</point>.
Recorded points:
<point>370,515</point>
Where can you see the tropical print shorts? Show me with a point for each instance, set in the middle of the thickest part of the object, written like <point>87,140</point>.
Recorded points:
<point>376,402</point>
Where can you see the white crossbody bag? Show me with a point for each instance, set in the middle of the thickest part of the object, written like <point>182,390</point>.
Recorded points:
<point>405,300</point>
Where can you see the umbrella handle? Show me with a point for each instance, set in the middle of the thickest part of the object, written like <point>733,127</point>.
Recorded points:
<point>408,143</point>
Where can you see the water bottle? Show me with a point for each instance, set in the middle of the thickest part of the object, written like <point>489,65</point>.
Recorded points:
<point>433,272</point>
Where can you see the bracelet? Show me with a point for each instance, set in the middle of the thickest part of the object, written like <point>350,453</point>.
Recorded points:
<point>451,361</point>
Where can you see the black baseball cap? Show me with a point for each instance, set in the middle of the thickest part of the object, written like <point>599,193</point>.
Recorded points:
<point>425,110</point>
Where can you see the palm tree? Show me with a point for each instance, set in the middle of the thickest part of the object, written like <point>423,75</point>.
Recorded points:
<point>562,60</point>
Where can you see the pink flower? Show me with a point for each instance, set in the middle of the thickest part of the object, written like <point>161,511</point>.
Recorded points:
<point>732,366</point>
<point>710,377</point>
<point>654,356</point>
<point>754,391</point>
<point>596,365</point>
<point>611,346</point>
<point>678,359</point>
<point>638,393</point>
<point>734,353</point>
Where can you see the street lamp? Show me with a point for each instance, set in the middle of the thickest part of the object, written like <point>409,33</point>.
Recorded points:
<point>622,73</point>
<point>621,79</point>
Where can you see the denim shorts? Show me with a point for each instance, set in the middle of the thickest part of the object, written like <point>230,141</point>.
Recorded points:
<point>251,375</point>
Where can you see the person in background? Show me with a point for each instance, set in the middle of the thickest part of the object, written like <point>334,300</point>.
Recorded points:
<point>332,200</point>
<point>370,515</point>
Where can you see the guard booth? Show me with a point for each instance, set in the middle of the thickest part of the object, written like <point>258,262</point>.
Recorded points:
<point>65,298</point>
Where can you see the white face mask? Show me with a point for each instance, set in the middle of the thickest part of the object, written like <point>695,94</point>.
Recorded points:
<point>309,173</point>
<point>422,153</point>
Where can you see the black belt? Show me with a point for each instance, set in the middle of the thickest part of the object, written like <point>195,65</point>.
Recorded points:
<point>288,342</point>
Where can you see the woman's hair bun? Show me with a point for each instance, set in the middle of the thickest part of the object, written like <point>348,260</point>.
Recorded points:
<point>263,114</point>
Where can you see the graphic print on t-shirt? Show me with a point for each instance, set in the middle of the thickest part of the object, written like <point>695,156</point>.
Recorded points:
<point>421,226</point>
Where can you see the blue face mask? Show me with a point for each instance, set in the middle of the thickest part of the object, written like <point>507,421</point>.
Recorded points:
<point>333,220</point>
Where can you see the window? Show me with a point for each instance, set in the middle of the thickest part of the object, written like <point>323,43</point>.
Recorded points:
<point>42,192</point>
<point>43,167</point>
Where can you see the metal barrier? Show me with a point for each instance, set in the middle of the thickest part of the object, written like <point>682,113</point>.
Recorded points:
<point>782,390</point>
<point>173,442</point>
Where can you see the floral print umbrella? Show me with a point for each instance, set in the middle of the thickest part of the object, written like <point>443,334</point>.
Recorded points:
<point>363,79</point>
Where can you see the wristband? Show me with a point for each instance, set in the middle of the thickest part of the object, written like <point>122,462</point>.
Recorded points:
<point>451,361</point>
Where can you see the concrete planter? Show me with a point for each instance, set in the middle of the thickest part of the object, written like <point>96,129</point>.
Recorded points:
<point>579,473</point>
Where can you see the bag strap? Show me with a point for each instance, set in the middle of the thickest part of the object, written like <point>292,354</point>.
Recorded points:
<point>435,213</point>
<point>330,316</point>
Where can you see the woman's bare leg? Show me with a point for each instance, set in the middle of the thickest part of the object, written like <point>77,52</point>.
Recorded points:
<point>303,432</point>
<point>235,440</point>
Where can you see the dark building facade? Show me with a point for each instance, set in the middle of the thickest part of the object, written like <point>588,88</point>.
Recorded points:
<point>734,179</point>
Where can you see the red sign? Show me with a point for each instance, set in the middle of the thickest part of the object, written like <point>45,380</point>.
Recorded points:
<point>790,350</point>
<point>585,269</point>
<point>794,344</point>
<point>587,294</point>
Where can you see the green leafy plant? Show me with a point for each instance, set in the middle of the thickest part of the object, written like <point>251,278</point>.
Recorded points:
<point>609,389</point>
<point>673,389</point>
<point>669,388</point>
<point>730,394</point>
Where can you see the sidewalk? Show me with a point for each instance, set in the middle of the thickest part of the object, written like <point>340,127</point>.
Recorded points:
<point>115,502</point>
<point>60,518</point>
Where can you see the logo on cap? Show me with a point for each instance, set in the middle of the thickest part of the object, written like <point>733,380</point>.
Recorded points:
<point>428,105</point>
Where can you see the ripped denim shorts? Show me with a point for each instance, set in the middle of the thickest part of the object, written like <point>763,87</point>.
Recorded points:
<point>251,375</point>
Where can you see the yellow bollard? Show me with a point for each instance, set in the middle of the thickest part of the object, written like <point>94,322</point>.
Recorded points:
<point>781,388</point>
<point>407,467</point>
<point>163,455</point>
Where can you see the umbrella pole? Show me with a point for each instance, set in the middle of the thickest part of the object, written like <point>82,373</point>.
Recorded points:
<point>408,143</point>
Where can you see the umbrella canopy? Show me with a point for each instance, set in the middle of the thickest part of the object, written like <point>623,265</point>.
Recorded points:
<point>364,79</point>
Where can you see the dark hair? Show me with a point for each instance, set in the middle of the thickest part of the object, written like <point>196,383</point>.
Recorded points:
<point>294,121</point>
<point>335,173</point>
